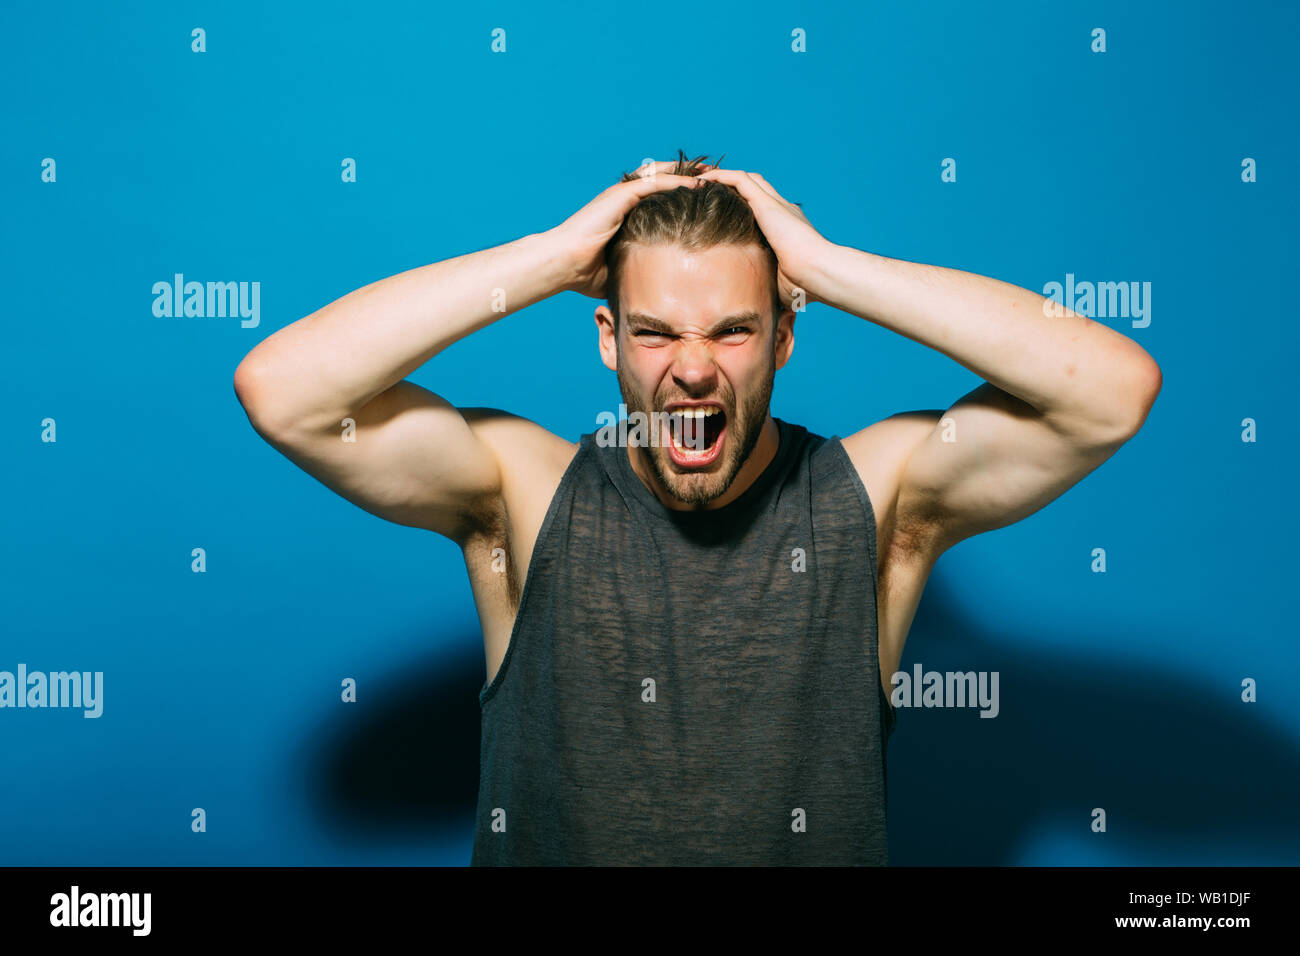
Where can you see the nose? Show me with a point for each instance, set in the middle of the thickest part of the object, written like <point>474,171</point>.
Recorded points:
<point>693,368</point>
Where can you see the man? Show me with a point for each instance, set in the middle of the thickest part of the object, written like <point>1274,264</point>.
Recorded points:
<point>689,633</point>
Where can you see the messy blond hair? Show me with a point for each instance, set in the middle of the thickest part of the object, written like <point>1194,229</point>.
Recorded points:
<point>710,215</point>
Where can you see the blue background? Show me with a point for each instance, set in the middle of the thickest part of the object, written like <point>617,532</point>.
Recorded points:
<point>1119,690</point>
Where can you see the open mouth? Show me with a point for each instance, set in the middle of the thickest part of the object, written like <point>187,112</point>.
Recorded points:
<point>695,434</point>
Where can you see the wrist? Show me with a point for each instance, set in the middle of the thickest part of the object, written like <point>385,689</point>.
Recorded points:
<point>558,262</point>
<point>814,274</point>
<point>834,270</point>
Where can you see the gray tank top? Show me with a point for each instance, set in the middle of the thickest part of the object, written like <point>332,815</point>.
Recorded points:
<point>686,688</point>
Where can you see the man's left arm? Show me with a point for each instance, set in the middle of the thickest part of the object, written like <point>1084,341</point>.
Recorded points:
<point>1062,392</point>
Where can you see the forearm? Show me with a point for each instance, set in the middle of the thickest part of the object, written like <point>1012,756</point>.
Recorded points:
<point>334,361</point>
<point>1071,369</point>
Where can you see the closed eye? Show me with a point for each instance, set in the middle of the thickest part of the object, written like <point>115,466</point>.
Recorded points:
<point>644,333</point>
<point>725,333</point>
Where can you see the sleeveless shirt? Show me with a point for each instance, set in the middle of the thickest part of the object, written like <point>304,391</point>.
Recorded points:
<point>692,688</point>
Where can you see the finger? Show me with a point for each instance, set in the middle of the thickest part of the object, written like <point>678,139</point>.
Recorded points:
<point>651,168</point>
<point>765,186</point>
<point>645,185</point>
<point>758,178</point>
<point>745,184</point>
<point>794,207</point>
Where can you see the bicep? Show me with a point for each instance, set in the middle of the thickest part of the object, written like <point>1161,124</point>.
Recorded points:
<point>408,456</point>
<point>989,461</point>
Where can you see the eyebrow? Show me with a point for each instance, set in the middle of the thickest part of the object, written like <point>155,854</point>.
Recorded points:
<point>644,321</point>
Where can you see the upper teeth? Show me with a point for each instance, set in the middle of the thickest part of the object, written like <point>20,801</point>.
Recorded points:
<point>702,412</point>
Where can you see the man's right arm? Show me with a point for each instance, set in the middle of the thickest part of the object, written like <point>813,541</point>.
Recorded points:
<point>415,459</point>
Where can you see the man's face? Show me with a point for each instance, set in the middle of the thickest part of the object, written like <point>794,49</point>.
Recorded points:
<point>696,340</point>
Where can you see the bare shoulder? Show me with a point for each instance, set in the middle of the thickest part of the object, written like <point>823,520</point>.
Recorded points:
<point>879,454</point>
<point>527,453</point>
<point>531,461</point>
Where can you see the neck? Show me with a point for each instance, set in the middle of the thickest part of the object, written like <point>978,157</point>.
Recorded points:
<point>764,451</point>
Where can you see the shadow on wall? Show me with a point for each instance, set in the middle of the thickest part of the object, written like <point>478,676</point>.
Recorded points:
<point>1186,772</point>
<point>407,764</point>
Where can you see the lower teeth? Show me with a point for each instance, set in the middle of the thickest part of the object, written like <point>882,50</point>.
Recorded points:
<point>689,437</point>
<point>690,448</point>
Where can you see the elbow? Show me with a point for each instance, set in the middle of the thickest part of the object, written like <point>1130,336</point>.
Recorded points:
<point>1147,381</point>
<point>246,382</point>
<point>272,398</point>
<point>1129,392</point>
<point>251,392</point>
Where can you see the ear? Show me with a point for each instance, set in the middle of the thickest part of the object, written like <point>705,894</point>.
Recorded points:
<point>608,342</point>
<point>784,337</point>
